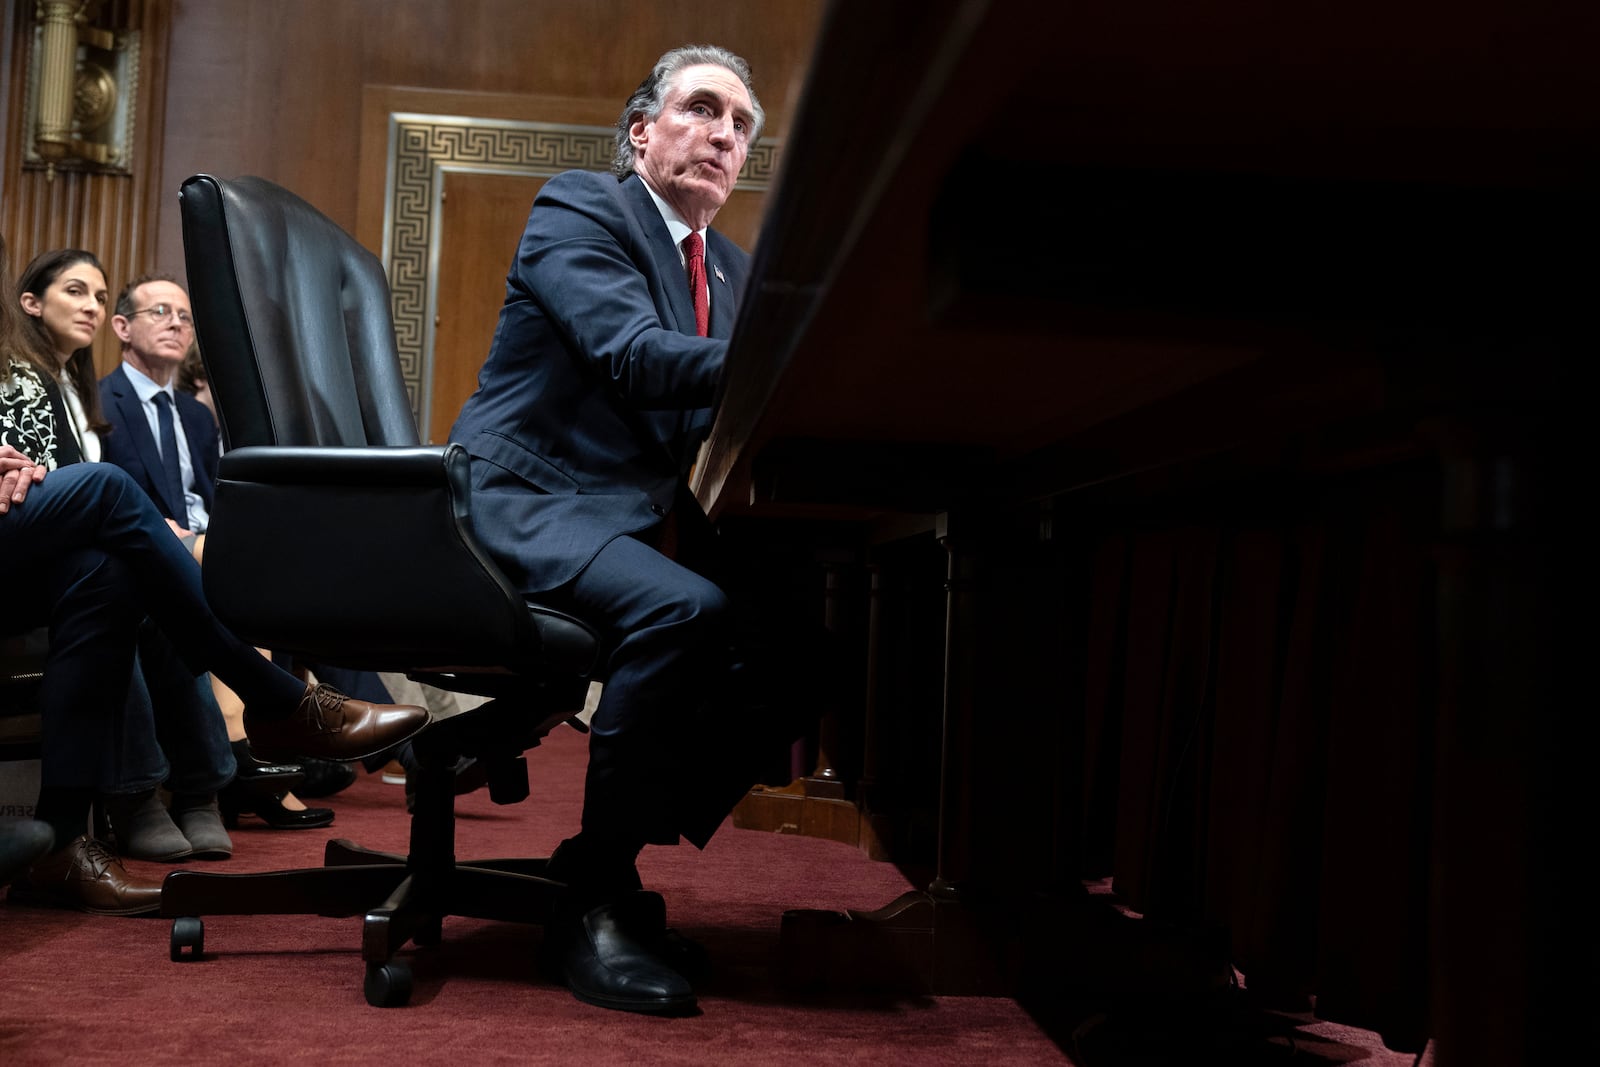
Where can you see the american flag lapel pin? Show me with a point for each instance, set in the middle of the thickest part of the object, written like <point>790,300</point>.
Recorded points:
<point>718,271</point>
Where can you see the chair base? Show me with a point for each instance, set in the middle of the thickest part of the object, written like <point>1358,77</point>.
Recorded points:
<point>401,898</point>
<point>399,903</point>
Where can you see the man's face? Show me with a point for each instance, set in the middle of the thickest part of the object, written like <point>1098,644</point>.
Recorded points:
<point>157,340</point>
<point>693,151</point>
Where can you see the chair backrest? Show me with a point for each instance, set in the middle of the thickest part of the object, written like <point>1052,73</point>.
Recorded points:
<point>297,337</point>
<point>295,328</point>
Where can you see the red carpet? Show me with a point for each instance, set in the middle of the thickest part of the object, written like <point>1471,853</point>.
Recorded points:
<point>276,989</point>
<point>279,989</point>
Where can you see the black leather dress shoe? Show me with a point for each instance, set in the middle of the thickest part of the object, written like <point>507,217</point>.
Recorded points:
<point>235,801</point>
<point>326,724</point>
<point>259,776</point>
<point>677,950</point>
<point>324,778</point>
<point>609,958</point>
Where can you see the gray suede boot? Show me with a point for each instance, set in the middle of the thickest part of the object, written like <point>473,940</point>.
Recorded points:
<point>143,830</point>
<point>200,820</point>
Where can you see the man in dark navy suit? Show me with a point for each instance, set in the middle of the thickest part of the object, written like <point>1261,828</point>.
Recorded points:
<point>597,389</point>
<point>153,320</point>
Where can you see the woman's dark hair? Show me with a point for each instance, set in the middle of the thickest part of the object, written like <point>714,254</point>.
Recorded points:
<point>192,371</point>
<point>37,277</point>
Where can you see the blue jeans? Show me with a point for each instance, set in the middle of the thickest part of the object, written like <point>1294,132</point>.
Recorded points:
<point>172,729</point>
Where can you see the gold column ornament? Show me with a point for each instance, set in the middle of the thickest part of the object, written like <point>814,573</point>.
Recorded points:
<point>82,88</point>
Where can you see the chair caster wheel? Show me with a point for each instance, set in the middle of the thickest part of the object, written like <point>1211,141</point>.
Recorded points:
<point>388,985</point>
<point>188,932</point>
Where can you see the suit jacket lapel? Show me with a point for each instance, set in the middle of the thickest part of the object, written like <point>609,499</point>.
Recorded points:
<point>674,281</point>
<point>723,307</point>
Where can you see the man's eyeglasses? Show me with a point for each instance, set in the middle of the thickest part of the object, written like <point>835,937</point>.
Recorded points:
<point>163,312</point>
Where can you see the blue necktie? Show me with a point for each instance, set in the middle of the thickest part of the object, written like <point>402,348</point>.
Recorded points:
<point>169,460</point>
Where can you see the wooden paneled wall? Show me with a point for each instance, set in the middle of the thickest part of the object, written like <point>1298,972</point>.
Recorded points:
<point>280,90</point>
<point>113,215</point>
<point>276,89</point>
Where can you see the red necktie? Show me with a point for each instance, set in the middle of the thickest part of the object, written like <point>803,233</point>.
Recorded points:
<point>694,251</point>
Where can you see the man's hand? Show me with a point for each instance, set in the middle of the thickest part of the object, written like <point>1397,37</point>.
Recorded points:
<point>18,474</point>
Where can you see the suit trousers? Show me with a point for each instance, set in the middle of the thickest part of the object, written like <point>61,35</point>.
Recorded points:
<point>91,558</point>
<point>662,625</point>
<point>698,698</point>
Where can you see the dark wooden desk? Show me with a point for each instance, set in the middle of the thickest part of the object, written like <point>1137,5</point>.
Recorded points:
<point>1024,259</point>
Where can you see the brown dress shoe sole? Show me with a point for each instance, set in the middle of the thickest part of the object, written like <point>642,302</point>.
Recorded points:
<point>25,894</point>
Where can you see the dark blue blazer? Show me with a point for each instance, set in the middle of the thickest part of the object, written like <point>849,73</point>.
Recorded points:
<point>131,446</point>
<point>596,390</point>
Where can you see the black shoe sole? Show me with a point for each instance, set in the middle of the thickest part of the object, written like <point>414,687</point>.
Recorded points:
<point>662,1006</point>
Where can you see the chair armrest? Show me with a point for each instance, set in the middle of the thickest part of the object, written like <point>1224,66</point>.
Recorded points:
<point>362,557</point>
<point>418,467</point>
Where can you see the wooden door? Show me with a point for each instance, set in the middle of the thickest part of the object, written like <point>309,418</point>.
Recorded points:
<point>481,219</point>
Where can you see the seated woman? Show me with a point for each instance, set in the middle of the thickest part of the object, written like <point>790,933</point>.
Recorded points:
<point>62,293</point>
<point>90,557</point>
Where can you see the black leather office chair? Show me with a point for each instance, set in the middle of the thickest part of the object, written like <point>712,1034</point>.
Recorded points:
<point>335,536</point>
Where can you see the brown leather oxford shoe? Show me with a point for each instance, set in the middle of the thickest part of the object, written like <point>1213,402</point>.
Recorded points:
<point>326,724</point>
<point>87,876</point>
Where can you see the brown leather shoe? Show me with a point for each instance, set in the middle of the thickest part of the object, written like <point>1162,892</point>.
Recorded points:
<point>326,724</point>
<point>88,877</point>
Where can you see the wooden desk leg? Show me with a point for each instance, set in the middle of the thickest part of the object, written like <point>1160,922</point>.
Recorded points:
<point>875,828</point>
<point>814,804</point>
<point>824,780</point>
<point>953,866</point>
<point>930,940</point>
<point>1505,727</point>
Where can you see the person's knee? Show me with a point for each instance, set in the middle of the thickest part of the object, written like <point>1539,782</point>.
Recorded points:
<point>95,477</point>
<point>91,579</point>
<point>703,607</point>
<point>96,493</point>
<point>689,604</point>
